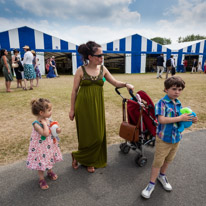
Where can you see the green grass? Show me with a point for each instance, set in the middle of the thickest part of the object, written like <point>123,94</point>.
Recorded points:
<point>16,117</point>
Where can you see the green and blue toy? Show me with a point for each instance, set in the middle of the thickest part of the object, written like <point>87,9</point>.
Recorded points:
<point>183,125</point>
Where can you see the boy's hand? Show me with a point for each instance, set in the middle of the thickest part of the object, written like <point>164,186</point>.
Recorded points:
<point>186,117</point>
<point>194,119</point>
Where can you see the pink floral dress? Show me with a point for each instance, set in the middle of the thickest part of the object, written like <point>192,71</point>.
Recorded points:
<point>43,154</point>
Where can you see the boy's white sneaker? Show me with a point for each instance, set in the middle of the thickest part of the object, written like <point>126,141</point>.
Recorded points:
<point>164,181</point>
<point>146,193</point>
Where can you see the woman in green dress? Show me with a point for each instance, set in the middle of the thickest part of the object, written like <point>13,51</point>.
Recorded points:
<point>6,70</point>
<point>87,106</point>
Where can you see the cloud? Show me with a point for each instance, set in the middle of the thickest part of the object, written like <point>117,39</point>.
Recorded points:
<point>114,12</point>
<point>188,17</point>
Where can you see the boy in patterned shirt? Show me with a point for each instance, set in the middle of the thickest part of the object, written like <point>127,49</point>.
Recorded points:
<point>168,137</point>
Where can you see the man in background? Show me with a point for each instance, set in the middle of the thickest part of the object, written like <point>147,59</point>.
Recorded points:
<point>160,68</point>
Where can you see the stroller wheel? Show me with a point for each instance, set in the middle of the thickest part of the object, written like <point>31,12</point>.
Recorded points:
<point>124,148</point>
<point>140,161</point>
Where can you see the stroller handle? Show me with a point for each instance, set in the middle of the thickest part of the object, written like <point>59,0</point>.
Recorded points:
<point>130,92</point>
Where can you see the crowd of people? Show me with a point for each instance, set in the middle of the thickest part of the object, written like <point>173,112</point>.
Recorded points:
<point>158,65</point>
<point>25,69</point>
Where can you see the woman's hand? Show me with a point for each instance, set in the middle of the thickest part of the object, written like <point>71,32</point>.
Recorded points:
<point>129,87</point>
<point>71,115</point>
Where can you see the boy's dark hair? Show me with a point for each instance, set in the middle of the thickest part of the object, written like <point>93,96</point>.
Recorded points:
<point>174,81</point>
<point>38,105</point>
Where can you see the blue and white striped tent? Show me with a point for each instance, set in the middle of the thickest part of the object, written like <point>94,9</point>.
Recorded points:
<point>135,48</point>
<point>189,48</point>
<point>38,41</point>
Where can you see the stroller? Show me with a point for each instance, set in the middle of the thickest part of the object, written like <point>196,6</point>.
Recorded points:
<point>140,110</point>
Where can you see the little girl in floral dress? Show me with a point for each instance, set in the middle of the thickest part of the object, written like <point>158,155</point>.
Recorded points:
<point>44,150</point>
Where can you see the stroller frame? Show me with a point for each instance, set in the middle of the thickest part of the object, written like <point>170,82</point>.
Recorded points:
<point>138,146</point>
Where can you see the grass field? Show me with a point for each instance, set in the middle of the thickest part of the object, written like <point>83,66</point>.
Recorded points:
<point>16,117</point>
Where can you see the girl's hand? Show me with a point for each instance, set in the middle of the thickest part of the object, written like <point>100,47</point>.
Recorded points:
<point>43,121</point>
<point>58,130</point>
<point>71,115</point>
<point>8,71</point>
<point>130,86</point>
<point>186,117</point>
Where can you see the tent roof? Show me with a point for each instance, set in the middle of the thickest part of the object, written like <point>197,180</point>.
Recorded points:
<point>36,40</point>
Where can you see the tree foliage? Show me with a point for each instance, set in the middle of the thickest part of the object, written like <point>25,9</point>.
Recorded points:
<point>191,37</point>
<point>161,40</point>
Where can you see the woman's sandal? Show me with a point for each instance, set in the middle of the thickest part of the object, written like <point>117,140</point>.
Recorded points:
<point>52,176</point>
<point>74,163</point>
<point>90,169</point>
<point>43,185</point>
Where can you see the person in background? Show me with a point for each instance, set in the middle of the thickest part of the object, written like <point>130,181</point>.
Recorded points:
<point>194,66</point>
<point>29,73</point>
<point>160,68</point>
<point>36,68</point>
<point>199,69</point>
<point>16,60</point>
<point>6,69</point>
<point>170,64</point>
<point>185,65</point>
<point>87,106</point>
<point>51,73</point>
<point>205,67</point>
<point>54,65</point>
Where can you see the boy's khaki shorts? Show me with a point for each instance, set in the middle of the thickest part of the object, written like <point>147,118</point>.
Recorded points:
<point>164,152</point>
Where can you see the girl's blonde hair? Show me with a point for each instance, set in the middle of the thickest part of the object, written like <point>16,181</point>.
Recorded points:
<point>38,105</point>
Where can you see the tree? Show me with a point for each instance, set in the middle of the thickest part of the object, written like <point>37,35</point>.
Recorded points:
<point>191,37</point>
<point>161,40</point>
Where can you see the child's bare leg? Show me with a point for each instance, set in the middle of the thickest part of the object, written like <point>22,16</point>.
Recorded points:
<point>37,81</point>
<point>154,174</point>
<point>164,167</point>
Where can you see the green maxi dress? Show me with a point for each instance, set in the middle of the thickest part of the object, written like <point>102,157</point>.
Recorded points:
<point>90,121</point>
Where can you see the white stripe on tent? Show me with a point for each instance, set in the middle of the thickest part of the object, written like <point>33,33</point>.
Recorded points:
<point>143,63</point>
<point>201,46</point>
<point>74,63</point>
<point>165,59</point>
<point>144,44</point>
<point>128,59</point>
<point>128,43</point>
<point>14,38</point>
<point>104,47</point>
<point>72,46</point>
<point>128,63</point>
<point>154,46</point>
<point>193,48</point>
<point>183,57</point>
<point>40,56</point>
<point>116,45</point>
<point>185,49</point>
<point>55,43</point>
<point>200,59</point>
<point>39,39</point>
<point>164,49</point>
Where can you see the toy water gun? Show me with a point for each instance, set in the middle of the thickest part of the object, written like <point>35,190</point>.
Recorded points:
<point>53,128</point>
<point>183,125</point>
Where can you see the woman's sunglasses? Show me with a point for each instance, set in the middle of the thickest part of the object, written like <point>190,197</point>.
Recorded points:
<point>98,55</point>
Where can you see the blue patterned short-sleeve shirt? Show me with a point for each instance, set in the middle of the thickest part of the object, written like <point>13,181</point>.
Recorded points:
<point>166,107</point>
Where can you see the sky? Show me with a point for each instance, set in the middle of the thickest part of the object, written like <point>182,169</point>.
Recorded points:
<point>79,21</point>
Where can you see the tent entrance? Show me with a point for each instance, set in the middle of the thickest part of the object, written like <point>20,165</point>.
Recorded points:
<point>190,59</point>
<point>151,62</point>
<point>63,61</point>
<point>115,62</point>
